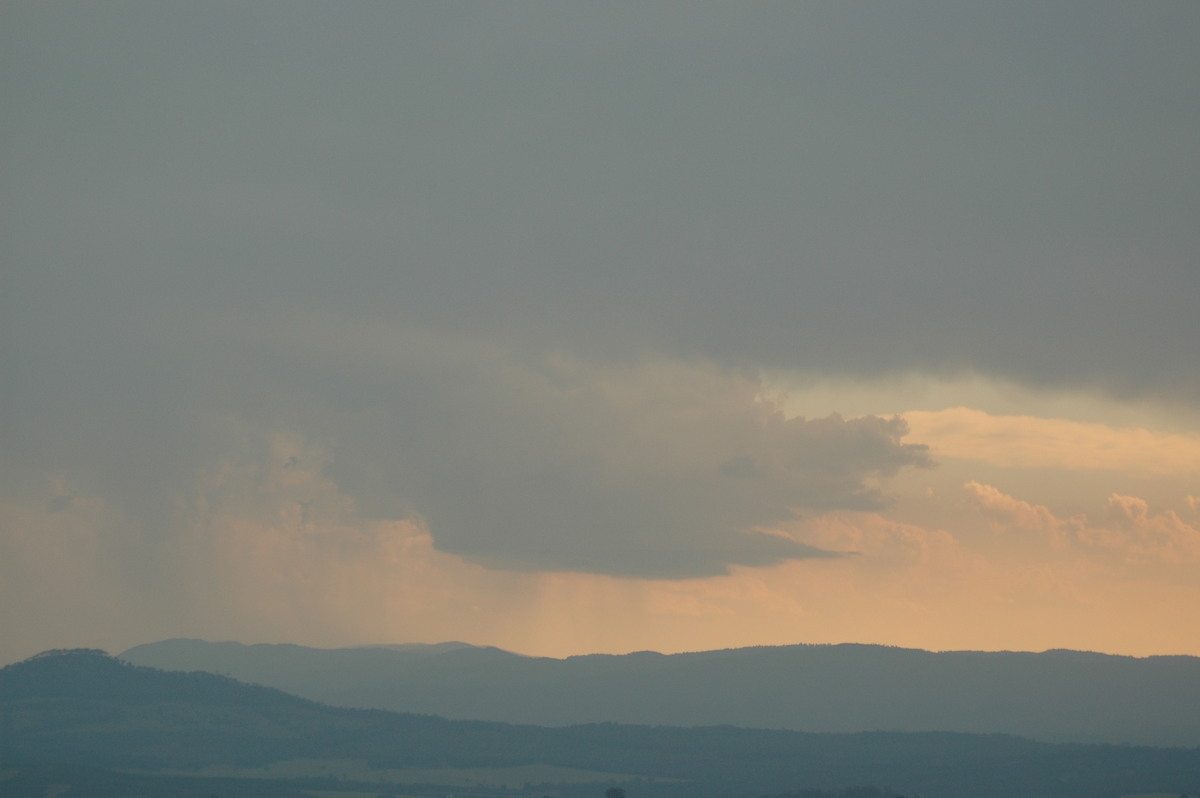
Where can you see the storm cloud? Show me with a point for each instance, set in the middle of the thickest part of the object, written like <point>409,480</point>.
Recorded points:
<point>811,187</point>
<point>513,273</point>
<point>652,469</point>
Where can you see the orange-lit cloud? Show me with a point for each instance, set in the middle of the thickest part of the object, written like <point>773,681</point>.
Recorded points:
<point>1128,527</point>
<point>283,555</point>
<point>1031,442</point>
<point>1075,582</point>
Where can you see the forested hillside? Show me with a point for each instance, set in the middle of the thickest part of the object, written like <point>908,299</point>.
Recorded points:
<point>88,709</point>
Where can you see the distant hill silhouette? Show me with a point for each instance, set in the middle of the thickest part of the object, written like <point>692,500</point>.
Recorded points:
<point>1055,696</point>
<point>85,709</point>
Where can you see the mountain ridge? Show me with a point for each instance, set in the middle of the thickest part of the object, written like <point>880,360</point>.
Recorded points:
<point>1059,695</point>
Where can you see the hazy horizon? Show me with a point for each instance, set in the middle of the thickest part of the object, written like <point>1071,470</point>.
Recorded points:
<point>863,643</point>
<point>616,653</point>
<point>597,328</point>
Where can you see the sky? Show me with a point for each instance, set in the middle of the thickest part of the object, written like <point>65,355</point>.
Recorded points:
<point>600,327</point>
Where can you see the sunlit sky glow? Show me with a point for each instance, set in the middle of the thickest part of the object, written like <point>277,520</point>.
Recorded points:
<point>606,327</point>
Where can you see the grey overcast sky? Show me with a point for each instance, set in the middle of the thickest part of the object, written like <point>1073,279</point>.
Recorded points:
<point>531,281</point>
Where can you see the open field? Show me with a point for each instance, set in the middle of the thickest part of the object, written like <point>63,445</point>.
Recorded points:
<point>359,770</point>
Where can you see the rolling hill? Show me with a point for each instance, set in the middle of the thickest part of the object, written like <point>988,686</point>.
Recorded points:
<point>1054,696</point>
<point>84,709</point>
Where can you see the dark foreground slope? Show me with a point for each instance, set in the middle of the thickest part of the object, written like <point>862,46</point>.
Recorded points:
<point>88,709</point>
<point>1056,696</point>
<point>73,781</point>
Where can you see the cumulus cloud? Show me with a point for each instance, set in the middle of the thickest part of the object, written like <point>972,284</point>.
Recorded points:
<point>289,552</point>
<point>1009,512</point>
<point>1128,530</point>
<point>653,468</point>
<point>1122,581</point>
<point>515,460</point>
<point>1163,535</point>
